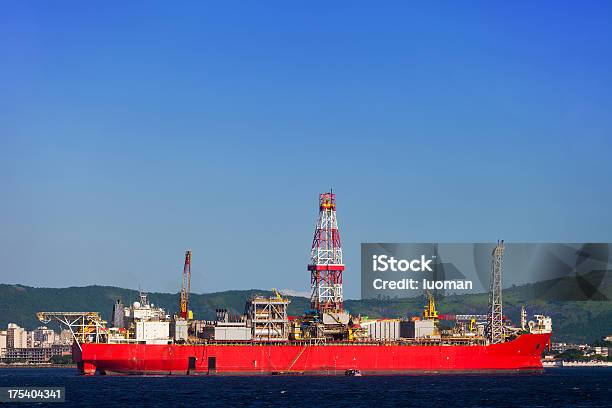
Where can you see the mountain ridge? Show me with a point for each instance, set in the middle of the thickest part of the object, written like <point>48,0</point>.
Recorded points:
<point>575,320</point>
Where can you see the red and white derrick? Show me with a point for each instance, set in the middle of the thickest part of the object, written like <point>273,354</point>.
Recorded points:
<point>326,259</point>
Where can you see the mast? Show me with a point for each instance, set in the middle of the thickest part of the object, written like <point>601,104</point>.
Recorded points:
<point>495,324</point>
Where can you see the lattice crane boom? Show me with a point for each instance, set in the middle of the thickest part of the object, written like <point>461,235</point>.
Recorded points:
<point>84,326</point>
<point>186,286</point>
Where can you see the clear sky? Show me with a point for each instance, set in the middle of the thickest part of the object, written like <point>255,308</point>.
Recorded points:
<point>131,132</point>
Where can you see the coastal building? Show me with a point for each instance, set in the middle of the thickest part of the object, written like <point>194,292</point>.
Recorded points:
<point>43,337</point>
<point>29,339</point>
<point>17,345</point>
<point>562,347</point>
<point>65,337</point>
<point>35,355</point>
<point>17,337</point>
<point>3,336</point>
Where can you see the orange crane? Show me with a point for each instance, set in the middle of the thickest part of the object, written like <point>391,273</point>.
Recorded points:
<point>186,288</point>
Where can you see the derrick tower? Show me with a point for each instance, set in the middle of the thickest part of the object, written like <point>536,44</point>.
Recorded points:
<point>326,259</point>
<point>495,324</point>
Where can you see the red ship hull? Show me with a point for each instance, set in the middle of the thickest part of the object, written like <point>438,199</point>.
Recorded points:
<point>523,353</point>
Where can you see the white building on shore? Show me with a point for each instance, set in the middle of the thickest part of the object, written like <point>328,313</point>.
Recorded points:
<point>17,337</point>
<point>17,345</point>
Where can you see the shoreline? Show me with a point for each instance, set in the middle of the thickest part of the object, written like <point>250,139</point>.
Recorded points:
<point>38,366</point>
<point>573,364</point>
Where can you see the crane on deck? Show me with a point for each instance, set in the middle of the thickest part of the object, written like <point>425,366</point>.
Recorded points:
<point>84,326</point>
<point>185,313</point>
<point>430,312</point>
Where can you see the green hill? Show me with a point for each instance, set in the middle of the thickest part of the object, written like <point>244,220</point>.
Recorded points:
<point>576,320</point>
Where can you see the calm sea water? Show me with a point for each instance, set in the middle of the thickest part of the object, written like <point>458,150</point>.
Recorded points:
<point>569,387</point>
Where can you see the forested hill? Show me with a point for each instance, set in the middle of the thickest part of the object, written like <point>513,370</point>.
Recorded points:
<point>576,320</point>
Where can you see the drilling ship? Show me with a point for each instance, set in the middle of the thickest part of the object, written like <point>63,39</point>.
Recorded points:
<point>325,340</point>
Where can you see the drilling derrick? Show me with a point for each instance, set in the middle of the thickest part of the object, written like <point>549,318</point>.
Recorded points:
<point>495,324</point>
<point>326,259</point>
<point>186,287</point>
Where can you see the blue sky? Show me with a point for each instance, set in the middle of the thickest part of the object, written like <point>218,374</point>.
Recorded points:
<point>130,132</point>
